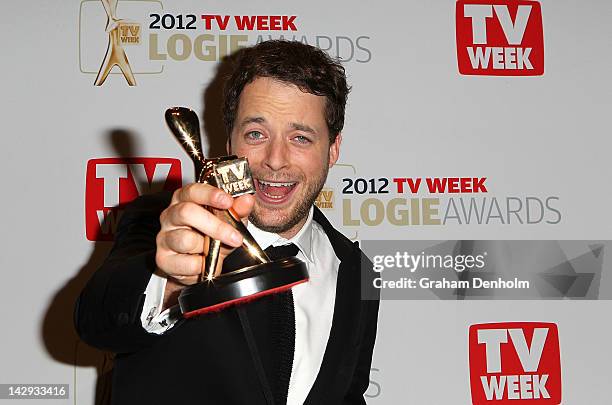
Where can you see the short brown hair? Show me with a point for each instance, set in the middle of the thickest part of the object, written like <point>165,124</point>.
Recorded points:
<point>305,66</point>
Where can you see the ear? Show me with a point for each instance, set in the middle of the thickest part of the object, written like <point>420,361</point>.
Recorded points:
<point>334,150</point>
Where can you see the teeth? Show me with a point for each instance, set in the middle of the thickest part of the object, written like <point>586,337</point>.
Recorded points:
<point>276,184</point>
<point>274,197</point>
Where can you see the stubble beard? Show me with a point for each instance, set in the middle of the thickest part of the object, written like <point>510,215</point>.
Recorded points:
<point>298,213</point>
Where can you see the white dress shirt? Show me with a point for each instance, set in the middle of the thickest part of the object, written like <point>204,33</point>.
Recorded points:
<point>313,302</point>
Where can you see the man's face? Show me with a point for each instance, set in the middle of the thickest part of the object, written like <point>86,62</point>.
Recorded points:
<point>283,133</point>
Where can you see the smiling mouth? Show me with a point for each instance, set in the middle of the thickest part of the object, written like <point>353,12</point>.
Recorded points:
<point>274,191</point>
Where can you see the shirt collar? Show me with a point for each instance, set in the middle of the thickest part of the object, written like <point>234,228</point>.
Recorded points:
<point>303,239</point>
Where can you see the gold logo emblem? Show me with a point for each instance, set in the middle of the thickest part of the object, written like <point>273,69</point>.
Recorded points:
<point>325,199</point>
<point>120,32</point>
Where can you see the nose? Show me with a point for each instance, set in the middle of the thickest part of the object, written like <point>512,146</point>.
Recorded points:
<point>277,154</point>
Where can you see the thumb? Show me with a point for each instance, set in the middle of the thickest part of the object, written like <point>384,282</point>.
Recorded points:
<point>243,205</point>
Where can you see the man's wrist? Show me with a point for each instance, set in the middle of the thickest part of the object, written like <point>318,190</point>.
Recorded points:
<point>171,293</point>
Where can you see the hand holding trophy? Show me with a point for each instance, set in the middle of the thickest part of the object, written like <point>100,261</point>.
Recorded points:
<point>257,275</point>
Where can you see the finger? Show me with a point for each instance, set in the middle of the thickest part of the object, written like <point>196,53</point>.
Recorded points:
<point>203,194</point>
<point>179,266</point>
<point>187,280</point>
<point>192,215</point>
<point>243,205</point>
<point>184,240</point>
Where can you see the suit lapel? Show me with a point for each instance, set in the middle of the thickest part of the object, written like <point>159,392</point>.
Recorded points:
<point>342,336</point>
<point>345,320</point>
<point>257,329</point>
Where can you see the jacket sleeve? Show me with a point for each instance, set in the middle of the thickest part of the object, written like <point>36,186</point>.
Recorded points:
<point>361,375</point>
<point>107,313</point>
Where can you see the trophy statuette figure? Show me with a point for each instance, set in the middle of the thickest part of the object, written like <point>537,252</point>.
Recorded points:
<point>256,274</point>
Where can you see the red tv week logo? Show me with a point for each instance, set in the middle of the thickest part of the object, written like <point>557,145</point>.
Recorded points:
<point>113,182</point>
<point>515,363</point>
<point>500,38</point>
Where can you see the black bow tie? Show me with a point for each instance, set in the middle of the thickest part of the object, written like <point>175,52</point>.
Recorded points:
<point>281,252</point>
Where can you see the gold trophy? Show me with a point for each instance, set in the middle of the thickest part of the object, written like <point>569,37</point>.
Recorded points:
<point>115,54</point>
<point>257,275</point>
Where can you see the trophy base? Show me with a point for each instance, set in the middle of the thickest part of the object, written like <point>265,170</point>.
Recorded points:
<point>241,286</point>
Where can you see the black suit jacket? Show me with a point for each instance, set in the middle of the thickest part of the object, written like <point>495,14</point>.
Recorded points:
<point>220,358</point>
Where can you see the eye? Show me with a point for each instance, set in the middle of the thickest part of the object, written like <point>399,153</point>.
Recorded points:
<point>254,135</point>
<point>302,139</point>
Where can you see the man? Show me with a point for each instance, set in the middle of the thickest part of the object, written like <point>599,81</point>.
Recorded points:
<point>284,110</point>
